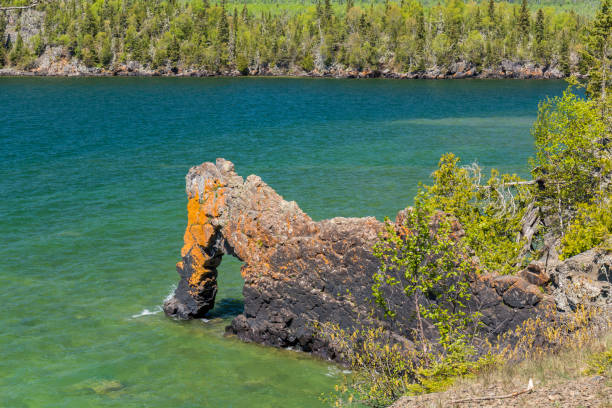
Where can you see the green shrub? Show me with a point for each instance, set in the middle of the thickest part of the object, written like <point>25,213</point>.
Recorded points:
<point>570,161</point>
<point>38,45</point>
<point>242,64</point>
<point>490,213</point>
<point>307,63</point>
<point>425,259</point>
<point>600,363</point>
<point>382,370</point>
<point>591,226</point>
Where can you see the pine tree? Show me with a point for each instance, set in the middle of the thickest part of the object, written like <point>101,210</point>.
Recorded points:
<point>223,27</point>
<point>539,26</point>
<point>349,5</point>
<point>564,55</point>
<point>523,19</point>
<point>233,36</point>
<point>3,24</point>
<point>492,10</point>
<point>328,11</point>
<point>245,14</point>
<point>319,10</point>
<point>597,53</point>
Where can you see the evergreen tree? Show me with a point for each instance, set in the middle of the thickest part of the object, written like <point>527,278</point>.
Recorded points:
<point>539,26</point>
<point>597,56</point>
<point>328,11</point>
<point>103,31</point>
<point>18,52</point>
<point>523,19</point>
<point>245,14</point>
<point>349,5</point>
<point>2,41</point>
<point>564,55</point>
<point>223,27</point>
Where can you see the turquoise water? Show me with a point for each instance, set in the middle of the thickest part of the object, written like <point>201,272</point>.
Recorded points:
<point>93,211</point>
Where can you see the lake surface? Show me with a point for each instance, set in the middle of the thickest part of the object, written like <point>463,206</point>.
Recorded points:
<point>93,210</point>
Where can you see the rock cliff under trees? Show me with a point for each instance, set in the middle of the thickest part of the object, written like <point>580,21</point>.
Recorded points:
<point>404,39</point>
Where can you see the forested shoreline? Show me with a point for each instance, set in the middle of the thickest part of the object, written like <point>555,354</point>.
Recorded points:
<point>401,39</point>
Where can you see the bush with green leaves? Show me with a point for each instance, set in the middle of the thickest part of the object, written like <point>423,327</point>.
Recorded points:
<point>572,161</point>
<point>383,370</point>
<point>591,227</point>
<point>425,258</point>
<point>489,211</point>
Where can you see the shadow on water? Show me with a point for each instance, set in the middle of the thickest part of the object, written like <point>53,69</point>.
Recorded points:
<point>227,308</point>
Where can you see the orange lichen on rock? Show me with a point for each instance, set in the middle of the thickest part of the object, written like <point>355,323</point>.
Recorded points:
<point>202,234</point>
<point>198,276</point>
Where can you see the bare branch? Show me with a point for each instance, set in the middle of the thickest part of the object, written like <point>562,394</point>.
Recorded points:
<point>29,6</point>
<point>527,390</point>
<point>514,183</point>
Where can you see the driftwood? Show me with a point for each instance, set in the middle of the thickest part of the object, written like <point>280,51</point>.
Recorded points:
<point>527,390</point>
<point>29,6</point>
<point>514,183</point>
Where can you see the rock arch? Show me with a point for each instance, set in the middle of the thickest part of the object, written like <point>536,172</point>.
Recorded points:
<point>296,270</point>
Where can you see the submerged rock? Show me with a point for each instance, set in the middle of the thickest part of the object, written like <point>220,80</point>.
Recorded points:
<point>298,271</point>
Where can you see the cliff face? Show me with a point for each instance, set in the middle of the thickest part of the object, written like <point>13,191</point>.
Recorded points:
<point>297,271</point>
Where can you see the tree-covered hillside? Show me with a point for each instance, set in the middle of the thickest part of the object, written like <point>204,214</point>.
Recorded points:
<point>401,36</point>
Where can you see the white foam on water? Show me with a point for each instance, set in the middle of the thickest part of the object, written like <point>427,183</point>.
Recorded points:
<point>170,294</point>
<point>147,312</point>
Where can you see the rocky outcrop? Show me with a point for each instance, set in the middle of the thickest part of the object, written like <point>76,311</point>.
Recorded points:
<point>62,63</point>
<point>584,279</point>
<point>298,271</point>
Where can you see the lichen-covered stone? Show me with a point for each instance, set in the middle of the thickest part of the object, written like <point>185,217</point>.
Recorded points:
<point>298,271</point>
<point>584,279</point>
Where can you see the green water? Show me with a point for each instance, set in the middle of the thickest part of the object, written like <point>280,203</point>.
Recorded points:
<point>93,211</point>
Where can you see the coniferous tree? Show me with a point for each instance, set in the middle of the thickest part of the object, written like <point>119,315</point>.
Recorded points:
<point>564,55</point>
<point>382,35</point>
<point>349,5</point>
<point>245,14</point>
<point>539,26</point>
<point>597,55</point>
<point>327,11</point>
<point>523,19</point>
<point>223,27</point>
<point>2,41</point>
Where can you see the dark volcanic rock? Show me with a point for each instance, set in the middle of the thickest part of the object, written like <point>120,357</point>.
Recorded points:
<point>584,279</point>
<point>297,271</point>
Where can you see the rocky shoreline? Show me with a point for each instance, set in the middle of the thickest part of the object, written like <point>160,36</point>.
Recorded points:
<point>56,62</point>
<point>527,71</point>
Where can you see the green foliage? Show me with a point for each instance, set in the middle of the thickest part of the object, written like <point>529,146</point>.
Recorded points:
<point>404,36</point>
<point>38,46</point>
<point>242,64</point>
<point>600,363</point>
<point>489,213</point>
<point>597,54</point>
<point>383,370</point>
<point>591,226</point>
<point>20,55</point>
<point>425,258</point>
<point>523,19</point>
<point>307,63</point>
<point>571,161</point>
